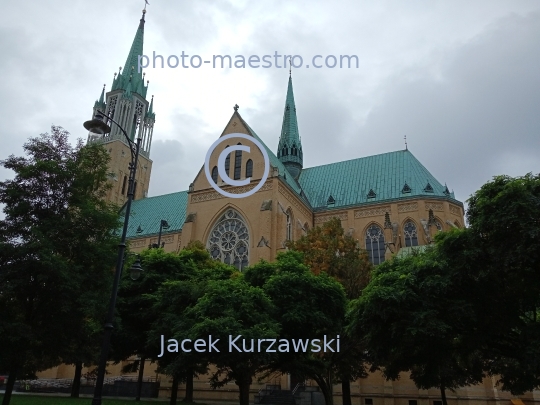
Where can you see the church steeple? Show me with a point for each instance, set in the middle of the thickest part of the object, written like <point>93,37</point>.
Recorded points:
<point>290,147</point>
<point>126,102</point>
<point>130,72</point>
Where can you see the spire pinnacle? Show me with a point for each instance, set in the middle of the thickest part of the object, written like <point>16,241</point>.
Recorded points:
<point>102,97</point>
<point>290,66</point>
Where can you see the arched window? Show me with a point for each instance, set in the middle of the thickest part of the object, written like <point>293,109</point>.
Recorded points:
<point>284,151</point>
<point>228,163</point>
<point>249,168</point>
<point>237,164</point>
<point>375,244</point>
<point>215,174</point>
<point>288,235</point>
<point>124,183</point>
<point>411,235</point>
<point>229,240</point>
<point>294,151</point>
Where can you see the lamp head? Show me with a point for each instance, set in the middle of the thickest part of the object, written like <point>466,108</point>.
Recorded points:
<point>136,269</point>
<point>97,126</point>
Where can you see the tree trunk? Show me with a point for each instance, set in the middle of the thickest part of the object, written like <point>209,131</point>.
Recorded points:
<point>174,390</point>
<point>140,379</point>
<point>10,384</point>
<point>346,390</point>
<point>443,395</point>
<point>326,388</point>
<point>189,386</point>
<point>76,385</point>
<point>243,387</point>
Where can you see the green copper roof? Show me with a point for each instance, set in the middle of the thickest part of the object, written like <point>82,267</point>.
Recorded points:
<point>290,147</point>
<point>147,214</point>
<point>130,79</point>
<point>372,179</point>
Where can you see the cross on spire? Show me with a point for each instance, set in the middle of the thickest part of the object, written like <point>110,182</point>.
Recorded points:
<point>405,137</point>
<point>236,107</point>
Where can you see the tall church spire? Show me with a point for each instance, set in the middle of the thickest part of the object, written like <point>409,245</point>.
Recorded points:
<point>131,67</point>
<point>290,147</point>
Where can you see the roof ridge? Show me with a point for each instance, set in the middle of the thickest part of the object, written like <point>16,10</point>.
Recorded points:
<point>363,157</point>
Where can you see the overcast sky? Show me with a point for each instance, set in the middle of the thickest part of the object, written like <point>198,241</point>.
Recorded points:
<point>460,78</point>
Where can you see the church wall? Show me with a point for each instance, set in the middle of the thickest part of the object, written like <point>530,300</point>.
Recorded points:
<point>356,220</point>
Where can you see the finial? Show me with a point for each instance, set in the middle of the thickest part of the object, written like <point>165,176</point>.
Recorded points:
<point>148,81</point>
<point>104,86</point>
<point>145,4</point>
<point>236,107</point>
<point>144,74</point>
<point>115,75</point>
<point>119,69</point>
<point>290,66</point>
<point>405,137</point>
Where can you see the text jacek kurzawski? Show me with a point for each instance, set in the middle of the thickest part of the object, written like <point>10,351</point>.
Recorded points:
<point>238,344</point>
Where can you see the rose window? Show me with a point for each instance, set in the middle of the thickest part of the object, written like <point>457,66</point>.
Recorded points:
<point>229,240</point>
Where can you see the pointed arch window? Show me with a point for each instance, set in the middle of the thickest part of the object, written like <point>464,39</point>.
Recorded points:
<point>124,183</point>
<point>375,244</point>
<point>215,174</point>
<point>411,234</point>
<point>288,235</point>
<point>228,163</point>
<point>249,168</point>
<point>229,240</point>
<point>237,164</point>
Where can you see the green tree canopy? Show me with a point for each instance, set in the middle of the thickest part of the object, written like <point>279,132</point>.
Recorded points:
<point>57,244</point>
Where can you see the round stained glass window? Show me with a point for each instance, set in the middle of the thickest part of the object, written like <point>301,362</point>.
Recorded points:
<point>229,240</point>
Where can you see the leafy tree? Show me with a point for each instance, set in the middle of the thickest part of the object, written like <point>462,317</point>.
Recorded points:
<point>415,317</point>
<point>230,308</point>
<point>504,225</point>
<point>328,249</point>
<point>170,302</point>
<point>56,248</point>
<point>308,307</point>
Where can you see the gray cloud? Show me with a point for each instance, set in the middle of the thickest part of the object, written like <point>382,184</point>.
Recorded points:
<point>459,78</point>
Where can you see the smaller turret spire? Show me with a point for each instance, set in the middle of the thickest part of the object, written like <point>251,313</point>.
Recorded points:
<point>290,147</point>
<point>102,97</point>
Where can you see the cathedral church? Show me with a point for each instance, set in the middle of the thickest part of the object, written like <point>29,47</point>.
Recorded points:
<point>390,203</point>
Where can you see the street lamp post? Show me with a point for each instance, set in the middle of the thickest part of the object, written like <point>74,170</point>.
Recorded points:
<point>162,225</point>
<point>98,126</point>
